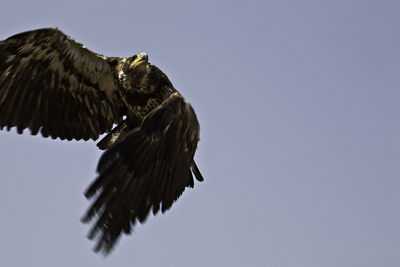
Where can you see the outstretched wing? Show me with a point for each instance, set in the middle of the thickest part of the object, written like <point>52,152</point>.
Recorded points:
<point>51,83</point>
<point>147,170</point>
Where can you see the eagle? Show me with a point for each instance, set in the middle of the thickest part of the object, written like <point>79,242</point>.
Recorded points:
<point>51,84</point>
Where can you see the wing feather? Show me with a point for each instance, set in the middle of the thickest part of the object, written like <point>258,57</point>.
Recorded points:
<point>52,84</point>
<point>147,170</point>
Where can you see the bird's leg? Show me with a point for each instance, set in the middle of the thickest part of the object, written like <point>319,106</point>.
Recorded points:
<point>117,133</point>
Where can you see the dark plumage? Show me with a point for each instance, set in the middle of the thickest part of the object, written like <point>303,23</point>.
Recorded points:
<point>51,84</point>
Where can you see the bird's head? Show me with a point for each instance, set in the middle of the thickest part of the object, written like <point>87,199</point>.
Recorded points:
<point>138,60</point>
<point>146,77</point>
<point>136,68</point>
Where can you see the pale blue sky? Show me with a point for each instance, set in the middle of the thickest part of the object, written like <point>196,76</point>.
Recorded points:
<point>298,103</point>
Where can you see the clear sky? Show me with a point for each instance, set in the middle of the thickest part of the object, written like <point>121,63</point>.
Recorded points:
<point>298,103</point>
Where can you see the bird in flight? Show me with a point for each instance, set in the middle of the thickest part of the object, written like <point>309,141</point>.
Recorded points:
<point>51,84</point>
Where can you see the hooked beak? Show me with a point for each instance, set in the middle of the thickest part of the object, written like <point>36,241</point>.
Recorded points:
<point>140,58</point>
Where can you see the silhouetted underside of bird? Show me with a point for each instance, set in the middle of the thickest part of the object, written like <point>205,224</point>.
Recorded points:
<point>51,84</point>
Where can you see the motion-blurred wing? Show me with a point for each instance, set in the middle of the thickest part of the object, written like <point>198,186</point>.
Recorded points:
<point>148,169</point>
<point>50,82</point>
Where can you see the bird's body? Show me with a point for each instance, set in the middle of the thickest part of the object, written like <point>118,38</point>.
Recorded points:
<point>51,84</point>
